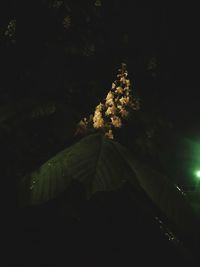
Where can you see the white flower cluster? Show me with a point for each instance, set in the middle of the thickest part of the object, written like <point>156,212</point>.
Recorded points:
<point>98,121</point>
<point>67,22</point>
<point>118,102</point>
<point>11,28</point>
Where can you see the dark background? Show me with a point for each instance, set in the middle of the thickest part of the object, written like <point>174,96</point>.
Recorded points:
<point>73,67</point>
<point>164,31</point>
<point>44,62</point>
<point>121,31</point>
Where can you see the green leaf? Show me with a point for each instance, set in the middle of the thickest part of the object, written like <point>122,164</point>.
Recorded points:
<point>104,165</point>
<point>94,161</point>
<point>167,196</point>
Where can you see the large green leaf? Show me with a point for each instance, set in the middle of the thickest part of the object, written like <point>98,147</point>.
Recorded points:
<point>94,161</point>
<point>103,165</point>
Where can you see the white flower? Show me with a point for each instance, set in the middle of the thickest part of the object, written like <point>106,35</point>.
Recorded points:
<point>119,90</point>
<point>109,96</point>
<point>109,134</point>
<point>124,100</point>
<point>127,82</point>
<point>127,93</point>
<point>113,85</point>
<point>82,127</point>
<point>98,121</point>
<point>110,110</point>
<point>116,121</point>
<point>125,74</point>
<point>109,99</point>
<point>119,107</point>
<point>123,80</point>
<point>99,107</point>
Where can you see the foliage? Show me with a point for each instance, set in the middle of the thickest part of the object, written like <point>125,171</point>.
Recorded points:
<point>65,55</point>
<point>94,161</point>
<point>103,165</point>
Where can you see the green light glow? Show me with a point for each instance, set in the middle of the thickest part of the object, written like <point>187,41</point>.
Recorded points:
<point>198,174</point>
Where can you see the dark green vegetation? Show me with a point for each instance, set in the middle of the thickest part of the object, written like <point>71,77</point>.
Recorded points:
<point>145,210</point>
<point>112,227</point>
<point>62,65</point>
